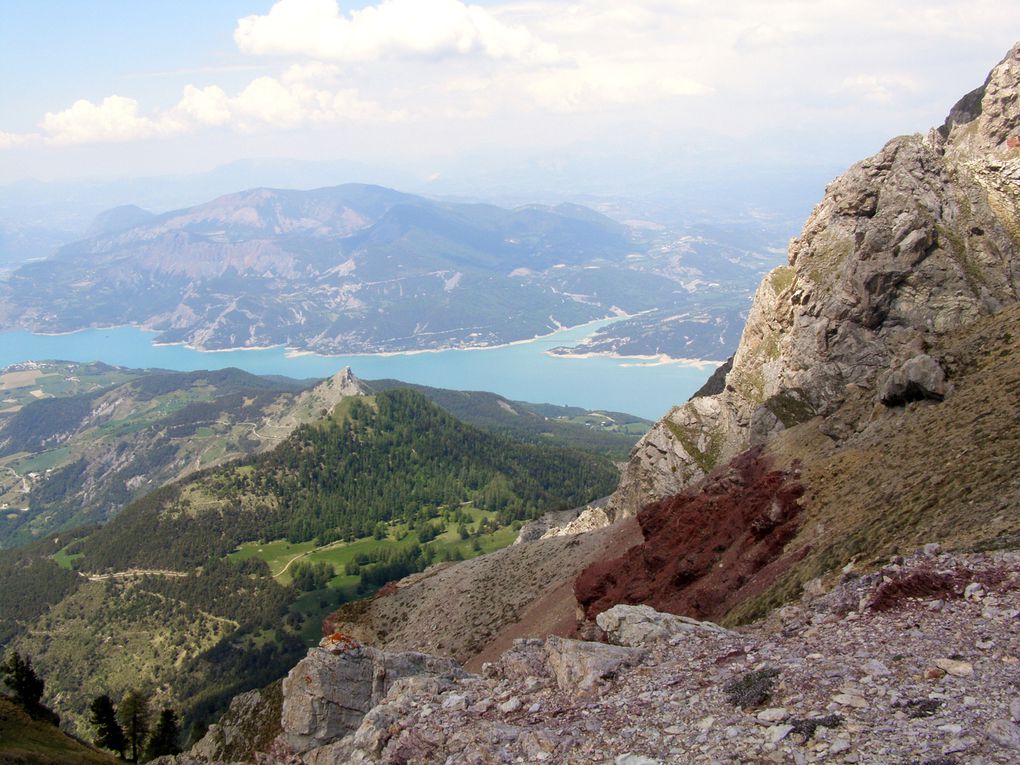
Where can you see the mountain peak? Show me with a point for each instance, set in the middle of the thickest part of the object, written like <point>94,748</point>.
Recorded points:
<point>345,383</point>
<point>987,118</point>
<point>119,219</point>
<point>905,248</point>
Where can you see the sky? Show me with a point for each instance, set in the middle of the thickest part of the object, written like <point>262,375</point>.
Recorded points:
<point>110,88</point>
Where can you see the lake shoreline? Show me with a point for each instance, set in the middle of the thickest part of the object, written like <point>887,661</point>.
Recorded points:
<point>521,370</point>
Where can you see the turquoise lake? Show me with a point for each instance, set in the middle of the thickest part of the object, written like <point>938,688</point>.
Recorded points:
<point>523,371</point>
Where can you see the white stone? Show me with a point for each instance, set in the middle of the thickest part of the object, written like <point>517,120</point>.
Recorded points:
<point>635,759</point>
<point>839,745</point>
<point>510,705</point>
<point>974,591</point>
<point>773,715</point>
<point>778,732</point>
<point>955,668</point>
<point>850,700</point>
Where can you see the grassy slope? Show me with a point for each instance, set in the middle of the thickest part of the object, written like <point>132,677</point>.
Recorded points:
<point>944,472</point>
<point>24,741</point>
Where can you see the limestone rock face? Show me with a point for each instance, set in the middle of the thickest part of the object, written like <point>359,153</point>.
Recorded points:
<point>580,665</point>
<point>640,626</point>
<point>907,245</point>
<point>918,378</point>
<point>248,726</point>
<point>328,693</point>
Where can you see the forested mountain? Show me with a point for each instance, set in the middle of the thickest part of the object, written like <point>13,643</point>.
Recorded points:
<point>377,459</point>
<point>214,584</point>
<point>612,434</point>
<point>80,441</point>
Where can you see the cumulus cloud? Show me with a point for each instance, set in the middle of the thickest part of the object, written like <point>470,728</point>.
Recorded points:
<point>878,88</point>
<point>205,106</point>
<point>115,118</point>
<point>296,98</point>
<point>391,29</point>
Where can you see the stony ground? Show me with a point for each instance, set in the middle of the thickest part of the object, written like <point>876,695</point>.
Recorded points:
<point>897,667</point>
<point>476,607</point>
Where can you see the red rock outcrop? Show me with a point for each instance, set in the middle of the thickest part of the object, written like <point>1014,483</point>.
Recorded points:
<point>707,549</point>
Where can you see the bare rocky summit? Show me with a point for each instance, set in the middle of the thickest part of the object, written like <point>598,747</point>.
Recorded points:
<point>905,247</point>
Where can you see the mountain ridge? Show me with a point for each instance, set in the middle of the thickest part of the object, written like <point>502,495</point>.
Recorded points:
<point>362,268</point>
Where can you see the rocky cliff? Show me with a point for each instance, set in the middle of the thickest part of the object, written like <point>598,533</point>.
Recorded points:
<point>909,244</point>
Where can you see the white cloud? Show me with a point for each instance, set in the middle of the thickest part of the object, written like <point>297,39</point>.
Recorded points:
<point>11,140</point>
<point>391,29</point>
<point>515,71</point>
<point>878,88</point>
<point>205,106</point>
<point>300,96</point>
<point>303,95</point>
<point>595,85</point>
<point>116,118</point>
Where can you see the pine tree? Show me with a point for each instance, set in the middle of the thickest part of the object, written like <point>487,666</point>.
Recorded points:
<point>19,676</point>
<point>164,737</point>
<point>134,717</point>
<point>109,734</point>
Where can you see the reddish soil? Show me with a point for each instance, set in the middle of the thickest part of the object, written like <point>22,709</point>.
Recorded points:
<point>927,583</point>
<point>706,550</point>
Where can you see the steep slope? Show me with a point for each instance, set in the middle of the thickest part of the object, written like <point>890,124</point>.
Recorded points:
<point>473,610</point>
<point>877,381</point>
<point>906,246</point>
<point>911,258</point>
<point>880,670</point>
<point>25,741</point>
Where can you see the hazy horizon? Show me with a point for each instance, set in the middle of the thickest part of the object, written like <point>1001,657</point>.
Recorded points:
<point>587,96</point>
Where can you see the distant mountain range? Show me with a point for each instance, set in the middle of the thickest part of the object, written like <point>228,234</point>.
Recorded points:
<point>360,268</point>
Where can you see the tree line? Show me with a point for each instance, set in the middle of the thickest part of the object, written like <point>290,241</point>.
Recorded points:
<point>125,729</point>
<point>388,459</point>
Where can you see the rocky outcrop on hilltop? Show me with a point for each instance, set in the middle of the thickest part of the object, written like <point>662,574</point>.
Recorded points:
<point>906,246</point>
<point>308,406</point>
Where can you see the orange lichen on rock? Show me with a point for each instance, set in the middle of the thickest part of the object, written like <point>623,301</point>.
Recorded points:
<point>338,642</point>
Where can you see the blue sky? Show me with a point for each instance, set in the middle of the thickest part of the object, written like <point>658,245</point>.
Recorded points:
<point>114,88</point>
